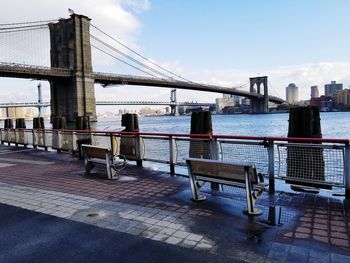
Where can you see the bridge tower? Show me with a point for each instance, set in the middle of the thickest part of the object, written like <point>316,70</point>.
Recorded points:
<point>173,102</point>
<point>259,105</point>
<point>71,49</point>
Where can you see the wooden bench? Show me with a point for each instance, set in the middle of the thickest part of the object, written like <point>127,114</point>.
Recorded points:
<point>242,175</point>
<point>99,156</point>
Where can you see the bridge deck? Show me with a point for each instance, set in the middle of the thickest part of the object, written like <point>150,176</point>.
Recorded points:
<point>34,72</point>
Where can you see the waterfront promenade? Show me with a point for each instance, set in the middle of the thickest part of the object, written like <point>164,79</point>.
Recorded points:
<point>53,212</point>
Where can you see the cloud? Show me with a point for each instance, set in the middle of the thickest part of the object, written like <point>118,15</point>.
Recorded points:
<point>120,19</point>
<point>303,75</point>
<point>116,17</point>
<point>307,75</point>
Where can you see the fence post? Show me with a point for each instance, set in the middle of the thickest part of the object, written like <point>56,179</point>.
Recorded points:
<point>74,143</point>
<point>271,166</point>
<point>34,140</point>
<point>347,170</point>
<point>59,141</point>
<point>214,155</point>
<point>172,155</point>
<point>44,138</point>
<point>138,152</point>
<point>214,152</point>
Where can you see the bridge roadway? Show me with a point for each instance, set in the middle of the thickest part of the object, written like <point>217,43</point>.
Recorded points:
<point>156,103</point>
<point>14,70</point>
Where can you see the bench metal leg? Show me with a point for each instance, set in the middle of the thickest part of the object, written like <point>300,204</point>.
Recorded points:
<point>111,173</point>
<point>195,189</point>
<point>88,165</point>
<point>250,210</point>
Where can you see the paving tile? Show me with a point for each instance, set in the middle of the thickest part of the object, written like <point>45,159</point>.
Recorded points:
<point>173,240</point>
<point>181,234</point>
<point>160,237</point>
<point>194,237</point>
<point>178,222</point>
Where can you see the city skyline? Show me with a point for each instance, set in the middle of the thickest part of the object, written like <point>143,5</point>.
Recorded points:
<point>222,44</point>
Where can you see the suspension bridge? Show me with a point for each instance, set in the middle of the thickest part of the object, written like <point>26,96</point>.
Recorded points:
<point>68,66</point>
<point>108,103</point>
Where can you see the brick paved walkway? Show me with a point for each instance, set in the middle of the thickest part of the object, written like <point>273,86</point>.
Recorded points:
<point>154,205</point>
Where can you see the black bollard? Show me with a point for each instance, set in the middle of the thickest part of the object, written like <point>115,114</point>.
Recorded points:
<point>56,123</point>
<point>83,123</point>
<point>62,122</point>
<point>20,123</point>
<point>201,124</point>
<point>128,142</point>
<point>200,148</point>
<point>79,123</point>
<point>36,123</point>
<point>8,124</point>
<point>304,122</point>
<point>59,123</point>
<point>41,123</point>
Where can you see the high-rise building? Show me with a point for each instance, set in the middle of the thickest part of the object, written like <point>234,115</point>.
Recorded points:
<point>342,97</point>
<point>331,89</point>
<point>314,92</point>
<point>225,101</point>
<point>292,93</point>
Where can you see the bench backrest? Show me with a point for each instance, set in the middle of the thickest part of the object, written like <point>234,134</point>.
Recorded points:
<point>94,151</point>
<point>222,170</point>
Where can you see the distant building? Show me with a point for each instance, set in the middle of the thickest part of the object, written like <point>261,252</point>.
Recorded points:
<point>314,92</point>
<point>292,93</point>
<point>225,101</point>
<point>342,98</point>
<point>324,103</point>
<point>245,102</point>
<point>331,89</point>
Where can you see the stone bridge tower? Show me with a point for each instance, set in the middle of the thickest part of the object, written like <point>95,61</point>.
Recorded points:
<point>259,105</point>
<point>70,48</point>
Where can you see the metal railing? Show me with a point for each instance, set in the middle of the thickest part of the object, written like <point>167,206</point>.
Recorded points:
<point>318,162</point>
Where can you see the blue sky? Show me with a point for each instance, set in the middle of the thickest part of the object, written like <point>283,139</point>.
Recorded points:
<point>217,42</point>
<point>251,35</point>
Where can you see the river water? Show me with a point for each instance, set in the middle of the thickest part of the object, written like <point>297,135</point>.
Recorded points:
<point>333,124</point>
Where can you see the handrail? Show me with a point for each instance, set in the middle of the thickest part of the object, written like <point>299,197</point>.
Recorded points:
<point>214,136</point>
<point>333,157</point>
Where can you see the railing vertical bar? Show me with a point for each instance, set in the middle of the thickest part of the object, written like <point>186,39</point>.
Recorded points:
<point>347,170</point>
<point>137,139</point>
<point>271,166</point>
<point>171,156</point>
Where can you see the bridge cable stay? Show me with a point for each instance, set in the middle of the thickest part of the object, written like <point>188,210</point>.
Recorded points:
<point>24,41</point>
<point>22,27</point>
<point>138,54</point>
<point>21,30</point>
<point>129,57</point>
<point>123,61</point>
<point>30,22</point>
<point>147,59</point>
<point>275,91</point>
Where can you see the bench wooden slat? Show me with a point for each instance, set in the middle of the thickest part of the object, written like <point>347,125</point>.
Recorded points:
<point>234,174</point>
<point>98,155</point>
<point>95,152</point>
<point>226,171</point>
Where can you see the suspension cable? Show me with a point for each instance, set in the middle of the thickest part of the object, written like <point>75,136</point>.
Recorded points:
<point>129,57</point>
<point>21,30</point>
<point>27,23</point>
<point>123,61</point>
<point>138,54</point>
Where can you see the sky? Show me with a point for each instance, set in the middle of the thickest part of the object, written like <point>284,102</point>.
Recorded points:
<point>216,42</point>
